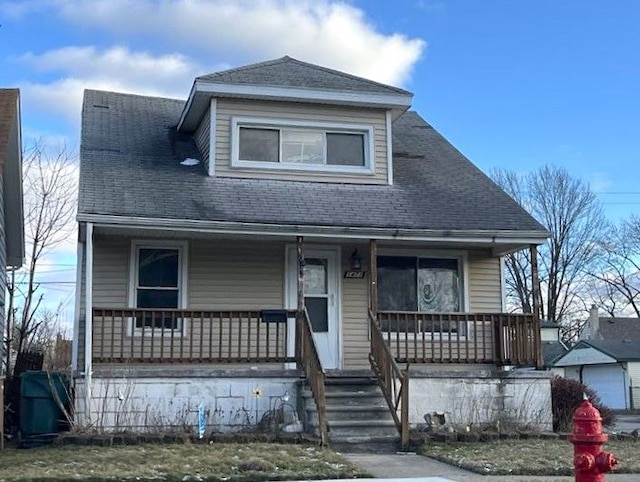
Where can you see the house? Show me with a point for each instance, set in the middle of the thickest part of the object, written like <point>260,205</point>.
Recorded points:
<point>11,212</point>
<point>552,346</point>
<point>607,359</point>
<point>286,237</point>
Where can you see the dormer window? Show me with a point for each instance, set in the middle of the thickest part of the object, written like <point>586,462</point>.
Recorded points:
<point>299,145</point>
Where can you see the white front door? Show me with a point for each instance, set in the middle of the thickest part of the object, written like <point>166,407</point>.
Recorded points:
<point>321,298</point>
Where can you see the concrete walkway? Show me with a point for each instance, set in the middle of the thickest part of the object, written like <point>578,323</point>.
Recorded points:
<point>418,468</point>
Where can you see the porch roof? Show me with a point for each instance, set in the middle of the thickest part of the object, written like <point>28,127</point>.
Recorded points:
<point>130,168</point>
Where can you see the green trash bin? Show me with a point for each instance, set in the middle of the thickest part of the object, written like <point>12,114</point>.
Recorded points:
<point>41,396</point>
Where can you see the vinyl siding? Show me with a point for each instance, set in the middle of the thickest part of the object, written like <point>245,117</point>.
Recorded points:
<point>228,108</point>
<point>202,136</point>
<point>485,292</point>
<point>225,275</point>
<point>249,275</point>
<point>355,306</point>
<point>633,369</point>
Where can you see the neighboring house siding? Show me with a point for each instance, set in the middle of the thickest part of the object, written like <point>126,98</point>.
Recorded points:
<point>202,136</point>
<point>228,108</point>
<point>484,284</point>
<point>633,371</point>
<point>3,261</point>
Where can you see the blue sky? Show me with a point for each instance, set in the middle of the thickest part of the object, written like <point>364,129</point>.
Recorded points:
<point>512,84</point>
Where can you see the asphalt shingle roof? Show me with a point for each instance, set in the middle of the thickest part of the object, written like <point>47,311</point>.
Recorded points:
<point>552,351</point>
<point>620,350</point>
<point>619,329</point>
<point>130,166</point>
<point>290,72</point>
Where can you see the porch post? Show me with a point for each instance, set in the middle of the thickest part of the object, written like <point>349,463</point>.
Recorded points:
<point>300,298</point>
<point>535,288</point>
<point>88,320</point>
<point>373,276</point>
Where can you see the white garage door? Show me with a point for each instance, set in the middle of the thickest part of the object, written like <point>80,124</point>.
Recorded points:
<point>609,382</point>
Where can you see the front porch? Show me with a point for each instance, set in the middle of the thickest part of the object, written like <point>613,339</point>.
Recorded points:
<point>314,311</point>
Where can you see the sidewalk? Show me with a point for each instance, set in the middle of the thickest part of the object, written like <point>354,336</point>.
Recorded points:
<point>424,469</point>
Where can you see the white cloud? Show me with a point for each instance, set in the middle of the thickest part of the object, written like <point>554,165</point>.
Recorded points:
<point>333,34</point>
<point>116,69</point>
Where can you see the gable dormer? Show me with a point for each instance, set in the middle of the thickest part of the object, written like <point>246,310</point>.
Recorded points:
<point>287,119</point>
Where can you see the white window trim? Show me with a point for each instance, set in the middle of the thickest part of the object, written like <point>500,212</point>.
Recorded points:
<point>258,122</point>
<point>463,268</point>
<point>183,278</point>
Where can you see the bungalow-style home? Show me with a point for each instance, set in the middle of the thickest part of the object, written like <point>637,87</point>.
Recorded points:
<point>288,240</point>
<point>11,213</point>
<point>607,359</point>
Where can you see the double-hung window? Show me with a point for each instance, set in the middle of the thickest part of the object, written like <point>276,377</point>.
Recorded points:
<point>260,143</point>
<point>158,283</point>
<point>419,285</point>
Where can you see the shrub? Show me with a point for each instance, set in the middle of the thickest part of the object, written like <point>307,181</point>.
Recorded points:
<point>566,395</point>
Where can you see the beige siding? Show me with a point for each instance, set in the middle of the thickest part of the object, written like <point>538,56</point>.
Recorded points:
<point>228,108</point>
<point>222,275</point>
<point>202,135</point>
<point>249,275</point>
<point>485,294</point>
<point>234,275</point>
<point>633,369</point>
<point>355,321</point>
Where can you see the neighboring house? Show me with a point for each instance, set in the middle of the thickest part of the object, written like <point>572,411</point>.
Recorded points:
<point>607,358</point>
<point>552,346</point>
<point>283,227</point>
<point>11,212</point>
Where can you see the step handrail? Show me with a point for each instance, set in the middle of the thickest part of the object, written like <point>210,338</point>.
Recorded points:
<point>309,360</point>
<point>393,382</point>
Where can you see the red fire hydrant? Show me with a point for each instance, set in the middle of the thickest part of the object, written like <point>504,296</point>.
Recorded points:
<point>590,462</point>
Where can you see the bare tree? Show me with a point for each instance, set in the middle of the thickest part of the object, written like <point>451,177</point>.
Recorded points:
<point>570,211</point>
<point>49,179</point>
<point>617,272</point>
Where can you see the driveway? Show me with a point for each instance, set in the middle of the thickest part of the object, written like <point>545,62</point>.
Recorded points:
<point>627,422</point>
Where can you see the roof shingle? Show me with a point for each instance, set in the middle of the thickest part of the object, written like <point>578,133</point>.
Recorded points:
<point>130,166</point>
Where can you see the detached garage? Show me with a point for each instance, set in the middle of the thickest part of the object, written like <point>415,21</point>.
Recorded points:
<point>611,368</point>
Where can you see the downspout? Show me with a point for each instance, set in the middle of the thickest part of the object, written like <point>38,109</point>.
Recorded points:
<point>88,291</point>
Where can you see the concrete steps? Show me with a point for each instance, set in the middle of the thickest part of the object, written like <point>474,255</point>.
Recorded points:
<point>358,416</point>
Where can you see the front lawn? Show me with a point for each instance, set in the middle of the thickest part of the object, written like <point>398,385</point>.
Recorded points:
<point>527,457</point>
<point>176,462</point>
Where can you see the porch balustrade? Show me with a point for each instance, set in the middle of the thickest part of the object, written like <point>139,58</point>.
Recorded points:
<point>198,336</point>
<point>188,336</point>
<point>497,338</point>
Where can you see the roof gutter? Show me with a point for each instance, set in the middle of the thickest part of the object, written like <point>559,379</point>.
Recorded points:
<point>494,237</point>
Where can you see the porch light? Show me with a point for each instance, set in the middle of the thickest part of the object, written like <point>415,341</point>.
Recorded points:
<point>356,261</point>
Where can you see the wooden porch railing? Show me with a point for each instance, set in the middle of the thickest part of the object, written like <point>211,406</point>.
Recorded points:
<point>139,335</point>
<point>497,338</point>
<point>393,382</point>
<point>309,361</point>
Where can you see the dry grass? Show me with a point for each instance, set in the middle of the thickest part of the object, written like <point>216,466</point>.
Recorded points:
<point>207,462</point>
<point>527,457</point>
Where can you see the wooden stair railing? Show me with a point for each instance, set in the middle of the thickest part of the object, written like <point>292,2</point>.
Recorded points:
<point>309,361</point>
<point>393,381</point>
